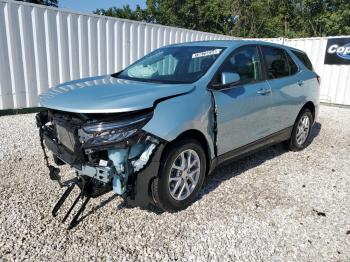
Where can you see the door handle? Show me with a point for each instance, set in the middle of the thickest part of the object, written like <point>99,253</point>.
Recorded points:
<point>300,82</point>
<point>264,91</point>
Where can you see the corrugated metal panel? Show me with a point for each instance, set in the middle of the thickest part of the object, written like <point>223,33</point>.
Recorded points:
<point>42,46</point>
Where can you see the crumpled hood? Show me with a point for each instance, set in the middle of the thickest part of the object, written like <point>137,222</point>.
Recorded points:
<point>106,94</point>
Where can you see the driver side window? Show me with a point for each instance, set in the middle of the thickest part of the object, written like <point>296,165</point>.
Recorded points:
<point>244,61</point>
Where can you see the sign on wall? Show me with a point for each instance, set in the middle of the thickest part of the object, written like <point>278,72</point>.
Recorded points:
<point>338,51</point>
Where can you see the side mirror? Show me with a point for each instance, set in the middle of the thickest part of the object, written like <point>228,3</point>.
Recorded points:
<point>227,80</point>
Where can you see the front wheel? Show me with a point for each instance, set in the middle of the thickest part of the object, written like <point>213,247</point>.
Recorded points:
<point>301,130</point>
<point>181,176</point>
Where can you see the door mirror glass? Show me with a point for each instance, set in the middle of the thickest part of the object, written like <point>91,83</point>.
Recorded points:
<point>228,78</point>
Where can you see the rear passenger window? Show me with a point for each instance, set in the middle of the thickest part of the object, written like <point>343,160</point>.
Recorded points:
<point>292,66</point>
<point>304,59</point>
<point>278,63</point>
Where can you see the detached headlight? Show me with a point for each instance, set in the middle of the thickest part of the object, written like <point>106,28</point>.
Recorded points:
<point>102,133</point>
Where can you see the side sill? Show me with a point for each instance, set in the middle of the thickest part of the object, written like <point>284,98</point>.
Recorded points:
<point>251,148</point>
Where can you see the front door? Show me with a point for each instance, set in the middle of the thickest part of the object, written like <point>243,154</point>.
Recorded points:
<point>242,110</point>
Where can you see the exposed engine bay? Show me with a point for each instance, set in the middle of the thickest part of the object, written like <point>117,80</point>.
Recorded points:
<point>107,151</point>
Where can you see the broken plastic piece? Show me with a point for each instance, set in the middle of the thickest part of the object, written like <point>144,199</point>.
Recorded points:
<point>119,158</point>
<point>117,185</point>
<point>142,161</point>
<point>75,219</point>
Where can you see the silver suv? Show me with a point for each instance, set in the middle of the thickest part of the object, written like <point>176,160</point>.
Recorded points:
<point>154,131</point>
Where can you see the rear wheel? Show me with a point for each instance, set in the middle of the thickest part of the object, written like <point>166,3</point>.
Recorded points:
<point>301,130</point>
<point>181,176</point>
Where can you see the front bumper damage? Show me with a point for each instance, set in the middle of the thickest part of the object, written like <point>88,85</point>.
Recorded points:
<point>107,152</point>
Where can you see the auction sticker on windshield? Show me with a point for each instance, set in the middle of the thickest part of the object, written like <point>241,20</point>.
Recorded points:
<point>207,53</point>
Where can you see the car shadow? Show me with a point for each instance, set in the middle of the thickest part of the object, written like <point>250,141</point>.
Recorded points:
<point>221,174</point>
<point>99,206</point>
<point>234,168</point>
<point>315,131</point>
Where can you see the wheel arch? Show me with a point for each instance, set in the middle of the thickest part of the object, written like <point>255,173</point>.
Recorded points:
<point>309,105</point>
<point>196,135</point>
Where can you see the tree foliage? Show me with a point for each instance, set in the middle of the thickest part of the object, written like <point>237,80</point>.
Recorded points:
<point>53,3</point>
<point>125,12</point>
<point>246,18</point>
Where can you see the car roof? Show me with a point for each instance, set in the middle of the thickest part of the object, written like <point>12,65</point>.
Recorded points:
<point>228,43</point>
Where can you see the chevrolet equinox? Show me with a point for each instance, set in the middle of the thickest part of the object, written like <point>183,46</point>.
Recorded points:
<point>153,131</point>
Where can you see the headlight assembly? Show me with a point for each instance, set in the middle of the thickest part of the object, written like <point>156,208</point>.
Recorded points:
<point>102,133</point>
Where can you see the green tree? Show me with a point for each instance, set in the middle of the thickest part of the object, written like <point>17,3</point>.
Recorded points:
<point>125,12</point>
<point>266,18</point>
<point>246,18</point>
<point>203,15</point>
<point>327,17</point>
<point>53,3</point>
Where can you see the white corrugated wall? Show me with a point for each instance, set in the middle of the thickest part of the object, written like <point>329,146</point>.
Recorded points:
<point>41,47</point>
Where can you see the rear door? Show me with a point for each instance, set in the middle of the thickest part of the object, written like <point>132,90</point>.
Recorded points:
<point>286,83</point>
<point>242,110</point>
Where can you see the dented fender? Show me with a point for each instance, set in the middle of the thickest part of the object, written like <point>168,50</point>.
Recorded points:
<point>191,111</point>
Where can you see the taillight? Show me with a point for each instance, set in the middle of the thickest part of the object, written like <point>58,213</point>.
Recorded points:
<point>318,79</point>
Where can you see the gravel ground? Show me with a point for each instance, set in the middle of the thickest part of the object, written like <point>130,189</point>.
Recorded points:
<point>273,205</point>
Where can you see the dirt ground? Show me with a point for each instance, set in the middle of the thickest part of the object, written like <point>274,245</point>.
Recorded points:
<point>272,206</point>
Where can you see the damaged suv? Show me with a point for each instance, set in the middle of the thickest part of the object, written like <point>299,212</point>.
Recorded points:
<point>154,131</point>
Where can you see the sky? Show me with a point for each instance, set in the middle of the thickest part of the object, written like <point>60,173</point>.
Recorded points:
<point>87,6</point>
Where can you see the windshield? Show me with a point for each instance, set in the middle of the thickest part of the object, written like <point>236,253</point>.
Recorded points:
<point>181,64</point>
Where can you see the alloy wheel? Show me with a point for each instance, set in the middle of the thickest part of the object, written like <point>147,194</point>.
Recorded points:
<point>184,174</point>
<point>303,129</point>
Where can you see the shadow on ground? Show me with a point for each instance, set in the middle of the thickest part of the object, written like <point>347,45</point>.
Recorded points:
<point>235,168</point>
<point>240,166</point>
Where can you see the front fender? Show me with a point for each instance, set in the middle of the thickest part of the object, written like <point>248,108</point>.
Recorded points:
<point>191,111</point>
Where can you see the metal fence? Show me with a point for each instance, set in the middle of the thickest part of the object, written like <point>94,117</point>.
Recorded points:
<point>335,79</point>
<point>42,46</point>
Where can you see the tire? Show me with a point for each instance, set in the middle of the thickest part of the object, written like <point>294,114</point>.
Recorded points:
<point>166,188</point>
<point>298,141</point>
